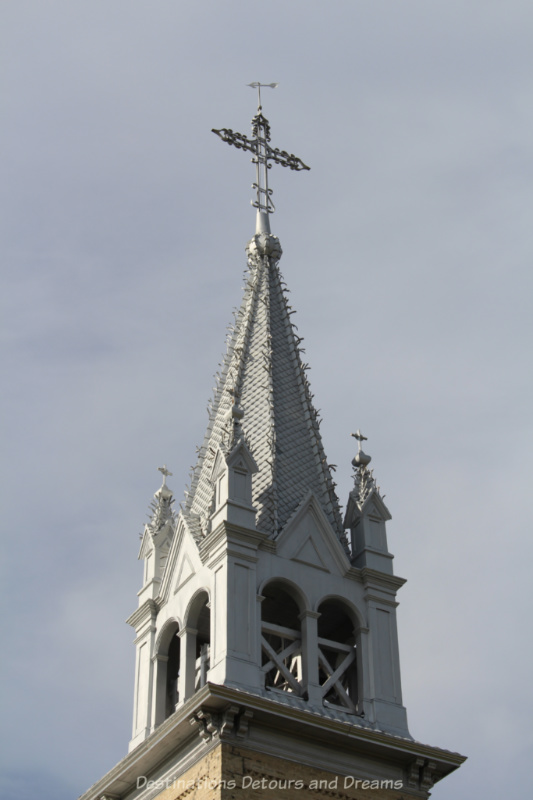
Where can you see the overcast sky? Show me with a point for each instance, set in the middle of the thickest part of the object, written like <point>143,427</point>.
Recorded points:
<point>408,252</point>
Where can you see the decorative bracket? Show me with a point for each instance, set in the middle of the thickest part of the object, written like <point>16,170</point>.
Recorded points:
<point>234,721</point>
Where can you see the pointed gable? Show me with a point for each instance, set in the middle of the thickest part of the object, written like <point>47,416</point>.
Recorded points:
<point>185,571</point>
<point>183,560</point>
<point>308,538</point>
<point>309,553</point>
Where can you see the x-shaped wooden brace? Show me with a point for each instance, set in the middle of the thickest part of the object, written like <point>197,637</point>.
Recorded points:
<point>276,660</point>
<point>335,675</point>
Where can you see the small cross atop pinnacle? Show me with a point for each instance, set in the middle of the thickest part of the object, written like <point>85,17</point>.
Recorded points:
<point>360,438</point>
<point>164,471</point>
<point>361,459</point>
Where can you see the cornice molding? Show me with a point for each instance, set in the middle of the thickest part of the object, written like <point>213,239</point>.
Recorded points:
<point>227,533</point>
<point>380,580</point>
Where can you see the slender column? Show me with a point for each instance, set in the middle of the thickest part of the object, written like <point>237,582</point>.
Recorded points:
<point>258,646</point>
<point>187,663</point>
<point>310,656</point>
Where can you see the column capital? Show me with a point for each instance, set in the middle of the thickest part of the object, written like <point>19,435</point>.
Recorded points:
<point>184,631</point>
<point>308,614</point>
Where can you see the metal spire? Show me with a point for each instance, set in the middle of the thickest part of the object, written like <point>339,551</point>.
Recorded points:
<point>263,153</point>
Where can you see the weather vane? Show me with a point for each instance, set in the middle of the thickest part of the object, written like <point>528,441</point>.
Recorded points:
<point>263,153</point>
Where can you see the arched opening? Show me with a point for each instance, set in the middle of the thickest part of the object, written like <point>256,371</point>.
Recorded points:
<point>337,662</point>
<point>166,673</point>
<point>281,640</point>
<point>203,645</point>
<point>173,671</point>
<point>196,643</point>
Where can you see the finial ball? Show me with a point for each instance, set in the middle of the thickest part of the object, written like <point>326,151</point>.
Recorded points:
<point>361,459</point>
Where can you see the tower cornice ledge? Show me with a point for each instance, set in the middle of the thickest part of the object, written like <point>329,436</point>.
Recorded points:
<point>213,716</point>
<point>225,533</point>
<point>374,578</point>
<point>147,611</point>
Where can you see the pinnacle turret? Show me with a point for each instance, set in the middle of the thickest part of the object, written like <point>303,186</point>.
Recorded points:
<point>161,511</point>
<point>363,477</point>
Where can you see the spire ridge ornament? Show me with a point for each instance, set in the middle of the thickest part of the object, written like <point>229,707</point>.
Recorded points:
<point>236,413</point>
<point>263,154</point>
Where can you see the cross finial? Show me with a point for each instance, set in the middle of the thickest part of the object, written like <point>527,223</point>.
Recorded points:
<point>361,459</point>
<point>360,438</point>
<point>263,154</point>
<point>164,471</point>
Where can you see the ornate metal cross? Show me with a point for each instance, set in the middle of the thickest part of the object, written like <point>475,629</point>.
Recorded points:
<point>263,153</point>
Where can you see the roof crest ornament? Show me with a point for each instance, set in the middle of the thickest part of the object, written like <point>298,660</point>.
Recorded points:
<point>236,413</point>
<point>263,153</point>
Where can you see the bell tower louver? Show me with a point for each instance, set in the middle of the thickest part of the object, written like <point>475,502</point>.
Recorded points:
<point>266,638</point>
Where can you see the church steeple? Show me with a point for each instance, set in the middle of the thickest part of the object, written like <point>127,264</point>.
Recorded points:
<point>258,621</point>
<point>263,362</point>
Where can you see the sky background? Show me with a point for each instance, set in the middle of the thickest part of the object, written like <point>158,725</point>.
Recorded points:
<point>408,252</point>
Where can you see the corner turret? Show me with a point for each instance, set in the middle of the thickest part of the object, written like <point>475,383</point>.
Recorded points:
<point>366,515</point>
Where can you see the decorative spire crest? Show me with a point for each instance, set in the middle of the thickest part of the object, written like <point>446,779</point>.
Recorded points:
<point>263,153</point>
<point>236,413</point>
